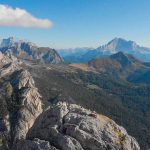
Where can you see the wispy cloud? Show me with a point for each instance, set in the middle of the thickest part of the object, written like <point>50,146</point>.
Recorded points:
<point>21,18</point>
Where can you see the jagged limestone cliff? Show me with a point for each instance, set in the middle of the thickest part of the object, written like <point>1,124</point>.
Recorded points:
<point>29,51</point>
<point>21,98</point>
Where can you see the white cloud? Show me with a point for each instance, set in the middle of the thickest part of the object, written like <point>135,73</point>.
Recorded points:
<point>21,18</point>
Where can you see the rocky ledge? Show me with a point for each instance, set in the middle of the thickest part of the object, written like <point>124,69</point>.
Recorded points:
<point>71,127</point>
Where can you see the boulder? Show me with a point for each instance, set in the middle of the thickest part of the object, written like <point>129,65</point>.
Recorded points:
<point>71,127</point>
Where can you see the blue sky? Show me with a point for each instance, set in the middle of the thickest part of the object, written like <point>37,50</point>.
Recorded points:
<point>83,23</point>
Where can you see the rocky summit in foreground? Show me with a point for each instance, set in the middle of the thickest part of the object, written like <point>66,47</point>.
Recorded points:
<point>26,125</point>
<point>71,127</point>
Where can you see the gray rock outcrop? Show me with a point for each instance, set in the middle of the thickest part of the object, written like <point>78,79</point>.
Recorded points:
<point>30,106</point>
<point>71,127</point>
<point>35,144</point>
<point>21,102</point>
<point>8,64</point>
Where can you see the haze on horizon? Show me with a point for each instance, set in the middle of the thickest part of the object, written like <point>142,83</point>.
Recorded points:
<point>76,23</point>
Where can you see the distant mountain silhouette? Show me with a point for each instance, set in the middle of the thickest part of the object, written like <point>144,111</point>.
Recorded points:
<point>114,46</point>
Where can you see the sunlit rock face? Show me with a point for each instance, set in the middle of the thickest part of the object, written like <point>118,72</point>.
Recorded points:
<point>20,101</point>
<point>30,103</point>
<point>69,127</point>
<point>28,51</point>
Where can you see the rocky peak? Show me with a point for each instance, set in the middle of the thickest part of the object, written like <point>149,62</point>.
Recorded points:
<point>69,126</point>
<point>8,64</point>
<point>12,42</point>
<point>124,59</point>
<point>7,42</point>
<point>29,51</point>
<point>30,103</point>
<point>20,99</point>
<point>113,43</point>
<point>119,44</point>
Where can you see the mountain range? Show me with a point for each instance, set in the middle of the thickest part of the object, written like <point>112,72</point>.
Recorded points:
<point>112,47</point>
<point>73,55</point>
<point>125,66</point>
<point>34,117</point>
<point>47,105</point>
<point>29,51</point>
